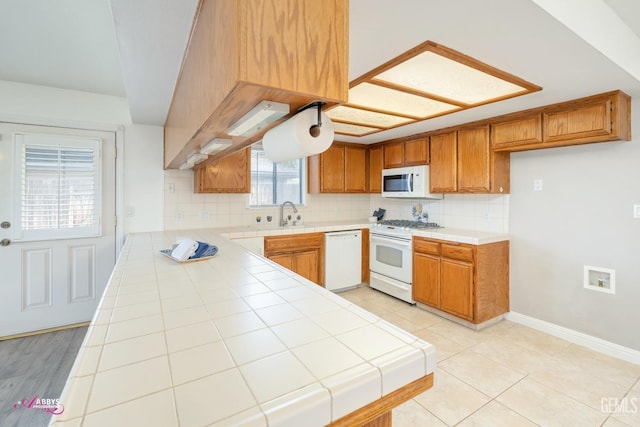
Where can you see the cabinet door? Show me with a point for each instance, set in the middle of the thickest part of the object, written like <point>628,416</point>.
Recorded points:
<point>231,174</point>
<point>456,288</point>
<point>516,133</point>
<point>285,260</point>
<point>394,155</point>
<point>355,169</point>
<point>426,279</point>
<point>584,121</point>
<point>307,264</point>
<point>416,152</point>
<point>375,170</point>
<point>473,160</point>
<point>332,170</point>
<point>443,170</point>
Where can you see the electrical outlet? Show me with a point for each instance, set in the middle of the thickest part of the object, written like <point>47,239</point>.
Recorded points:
<point>131,211</point>
<point>204,216</point>
<point>179,216</point>
<point>171,187</point>
<point>537,185</point>
<point>636,211</point>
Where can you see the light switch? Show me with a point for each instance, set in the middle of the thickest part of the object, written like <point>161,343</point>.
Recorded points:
<point>636,211</point>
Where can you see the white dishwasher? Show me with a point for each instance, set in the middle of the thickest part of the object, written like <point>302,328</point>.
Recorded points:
<point>343,259</point>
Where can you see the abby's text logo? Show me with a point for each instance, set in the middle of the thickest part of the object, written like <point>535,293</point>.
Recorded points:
<point>52,406</point>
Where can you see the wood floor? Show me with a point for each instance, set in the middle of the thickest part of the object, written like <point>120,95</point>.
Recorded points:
<point>37,365</point>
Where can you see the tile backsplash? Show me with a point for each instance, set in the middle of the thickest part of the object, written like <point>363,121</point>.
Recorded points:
<point>183,209</point>
<point>482,212</point>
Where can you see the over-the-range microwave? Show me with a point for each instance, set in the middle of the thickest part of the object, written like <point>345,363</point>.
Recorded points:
<point>409,182</point>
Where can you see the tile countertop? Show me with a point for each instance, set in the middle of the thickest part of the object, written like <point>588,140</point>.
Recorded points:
<point>232,340</point>
<point>452,234</point>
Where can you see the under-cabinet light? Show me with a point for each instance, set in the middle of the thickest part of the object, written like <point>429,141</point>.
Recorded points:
<point>215,145</point>
<point>196,158</point>
<point>260,116</point>
<point>184,166</point>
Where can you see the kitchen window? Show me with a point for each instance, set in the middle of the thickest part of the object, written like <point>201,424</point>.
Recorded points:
<point>58,187</point>
<point>273,183</point>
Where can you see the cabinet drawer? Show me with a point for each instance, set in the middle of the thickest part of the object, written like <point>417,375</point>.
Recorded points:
<point>293,242</point>
<point>462,253</point>
<point>426,247</point>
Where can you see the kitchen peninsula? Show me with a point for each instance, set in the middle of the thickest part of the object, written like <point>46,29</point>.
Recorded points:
<point>234,340</point>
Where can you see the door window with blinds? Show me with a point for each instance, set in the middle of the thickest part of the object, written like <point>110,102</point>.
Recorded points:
<point>57,187</point>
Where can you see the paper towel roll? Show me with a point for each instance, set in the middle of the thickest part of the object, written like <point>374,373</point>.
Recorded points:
<point>292,140</point>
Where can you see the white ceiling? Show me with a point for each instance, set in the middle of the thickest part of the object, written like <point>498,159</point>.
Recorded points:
<point>134,48</point>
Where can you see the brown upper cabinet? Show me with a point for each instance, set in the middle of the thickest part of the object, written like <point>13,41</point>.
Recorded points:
<point>340,169</point>
<point>443,172</point>
<point>241,52</point>
<point>517,132</point>
<point>462,162</point>
<point>598,118</point>
<point>375,169</point>
<point>406,153</point>
<point>231,174</point>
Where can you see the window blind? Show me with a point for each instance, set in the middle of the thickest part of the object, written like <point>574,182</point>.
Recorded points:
<point>58,187</point>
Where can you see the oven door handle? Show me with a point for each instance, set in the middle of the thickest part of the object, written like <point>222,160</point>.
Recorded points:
<point>401,243</point>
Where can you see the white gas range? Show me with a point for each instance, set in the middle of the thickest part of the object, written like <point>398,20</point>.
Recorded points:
<point>391,256</point>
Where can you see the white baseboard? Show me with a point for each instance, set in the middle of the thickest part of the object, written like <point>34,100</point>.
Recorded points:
<point>596,344</point>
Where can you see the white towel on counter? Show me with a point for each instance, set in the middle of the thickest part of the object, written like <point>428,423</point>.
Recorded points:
<point>184,250</point>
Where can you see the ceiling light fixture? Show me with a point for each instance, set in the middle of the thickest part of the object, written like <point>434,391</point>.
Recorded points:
<point>260,116</point>
<point>428,81</point>
<point>215,145</point>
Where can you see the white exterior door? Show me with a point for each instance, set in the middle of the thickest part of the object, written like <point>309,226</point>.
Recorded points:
<point>57,225</point>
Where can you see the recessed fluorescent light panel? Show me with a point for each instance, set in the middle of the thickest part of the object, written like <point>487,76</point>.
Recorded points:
<point>428,81</point>
<point>262,115</point>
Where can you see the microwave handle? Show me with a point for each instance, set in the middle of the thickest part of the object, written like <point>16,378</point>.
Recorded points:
<point>411,183</point>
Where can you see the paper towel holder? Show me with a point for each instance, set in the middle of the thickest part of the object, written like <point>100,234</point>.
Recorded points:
<point>314,130</point>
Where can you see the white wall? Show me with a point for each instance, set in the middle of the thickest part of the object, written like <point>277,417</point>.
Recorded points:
<point>42,104</point>
<point>143,178</point>
<point>582,216</point>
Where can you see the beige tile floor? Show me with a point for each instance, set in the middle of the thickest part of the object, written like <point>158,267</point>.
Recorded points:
<point>509,375</point>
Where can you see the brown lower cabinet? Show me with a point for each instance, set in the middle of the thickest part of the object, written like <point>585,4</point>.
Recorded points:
<point>467,281</point>
<point>300,253</point>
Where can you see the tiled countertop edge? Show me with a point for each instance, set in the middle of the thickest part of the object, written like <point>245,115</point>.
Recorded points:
<point>471,237</point>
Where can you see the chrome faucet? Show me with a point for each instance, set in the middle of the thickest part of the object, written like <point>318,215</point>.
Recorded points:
<point>284,221</point>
